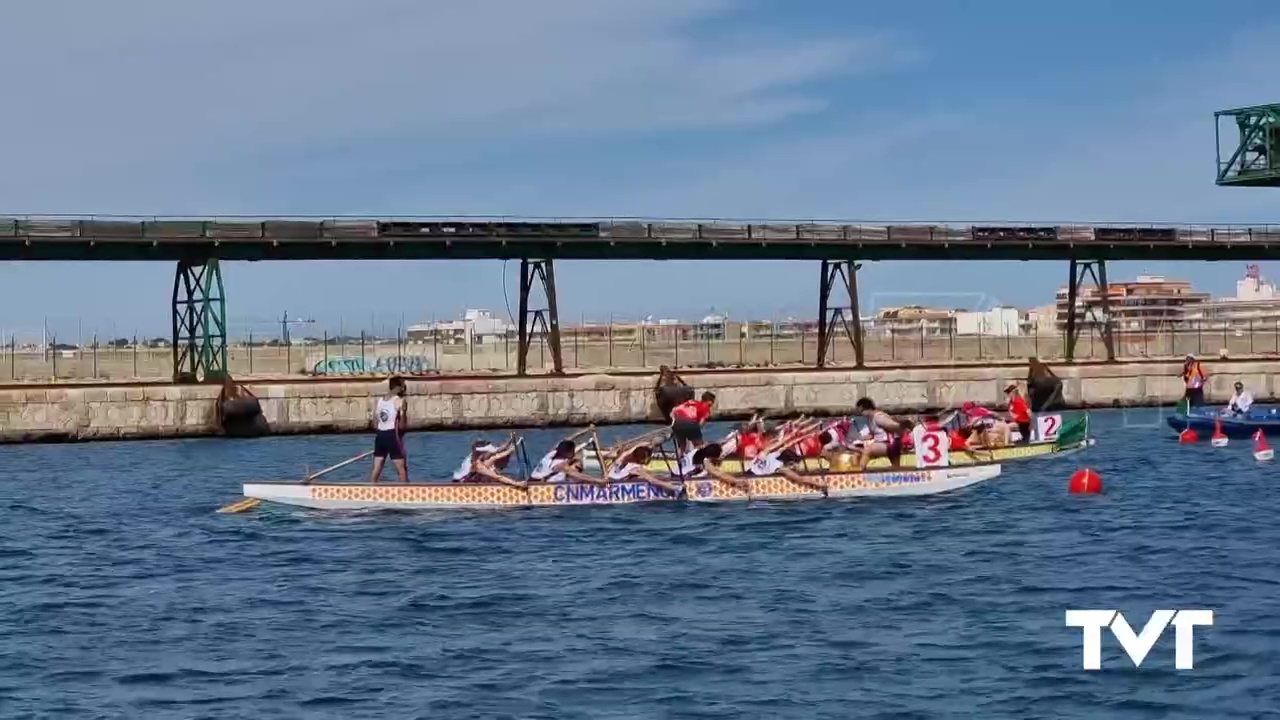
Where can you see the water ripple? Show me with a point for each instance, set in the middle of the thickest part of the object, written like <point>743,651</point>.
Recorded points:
<point>125,596</point>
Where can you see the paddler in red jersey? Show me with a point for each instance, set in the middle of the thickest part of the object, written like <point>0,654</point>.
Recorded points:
<point>747,442</point>
<point>1019,412</point>
<point>687,420</point>
<point>824,441</point>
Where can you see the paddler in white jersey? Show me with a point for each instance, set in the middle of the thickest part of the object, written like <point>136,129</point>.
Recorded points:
<point>389,421</point>
<point>632,464</point>
<point>886,434</point>
<point>485,460</point>
<point>560,465</point>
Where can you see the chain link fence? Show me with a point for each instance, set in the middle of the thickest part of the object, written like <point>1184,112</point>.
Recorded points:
<point>612,346</point>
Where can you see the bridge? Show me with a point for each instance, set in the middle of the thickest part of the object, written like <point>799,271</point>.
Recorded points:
<point>198,245</point>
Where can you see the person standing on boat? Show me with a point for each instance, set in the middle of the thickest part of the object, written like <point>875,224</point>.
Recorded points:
<point>1241,401</point>
<point>1194,376</point>
<point>1019,412</point>
<point>389,420</point>
<point>886,434</point>
<point>687,420</point>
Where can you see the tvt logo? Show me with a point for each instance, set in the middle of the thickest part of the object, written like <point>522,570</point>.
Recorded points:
<point>1138,645</point>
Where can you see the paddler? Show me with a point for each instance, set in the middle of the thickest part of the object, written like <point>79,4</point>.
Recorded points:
<point>824,441</point>
<point>484,455</point>
<point>1194,377</point>
<point>389,420</point>
<point>562,464</point>
<point>632,464</point>
<point>687,420</point>
<point>886,434</point>
<point>1019,412</point>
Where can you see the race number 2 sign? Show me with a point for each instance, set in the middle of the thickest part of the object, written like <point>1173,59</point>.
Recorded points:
<point>1047,427</point>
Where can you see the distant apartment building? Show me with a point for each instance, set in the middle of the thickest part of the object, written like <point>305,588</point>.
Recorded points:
<point>1149,304</point>
<point>476,327</point>
<point>1256,305</point>
<point>912,320</point>
<point>1002,321</point>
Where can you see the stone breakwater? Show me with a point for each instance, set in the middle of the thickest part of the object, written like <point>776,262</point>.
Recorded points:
<point>89,412</point>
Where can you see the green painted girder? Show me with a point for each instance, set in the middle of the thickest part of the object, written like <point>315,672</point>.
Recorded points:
<point>1255,159</point>
<point>199,322</point>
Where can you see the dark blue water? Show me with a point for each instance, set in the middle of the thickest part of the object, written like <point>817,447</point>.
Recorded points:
<point>122,594</point>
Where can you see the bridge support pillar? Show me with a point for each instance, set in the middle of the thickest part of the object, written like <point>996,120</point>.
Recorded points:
<point>832,318</point>
<point>545,318</point>
<point>1097,270</point>
<point>199,322</point>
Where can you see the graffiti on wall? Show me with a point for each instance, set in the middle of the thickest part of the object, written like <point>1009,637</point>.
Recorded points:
<point>405,364</point>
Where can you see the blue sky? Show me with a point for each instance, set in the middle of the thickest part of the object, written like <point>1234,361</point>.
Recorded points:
<point>911,110</point>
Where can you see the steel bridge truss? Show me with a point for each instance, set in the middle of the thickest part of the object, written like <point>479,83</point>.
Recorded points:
<point>199,322</point>
<point>1255,162</point>
<point>540,320</point>
<point>1097,270</point>
<point>832,318</point>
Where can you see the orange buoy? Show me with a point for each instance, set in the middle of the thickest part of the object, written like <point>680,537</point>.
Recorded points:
<point>1188,436</point>
<point>1085,481</point>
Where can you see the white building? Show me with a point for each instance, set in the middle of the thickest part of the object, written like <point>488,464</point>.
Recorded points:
<point>478,327</point>
<point>999,321</point>
<point>1256,306</point>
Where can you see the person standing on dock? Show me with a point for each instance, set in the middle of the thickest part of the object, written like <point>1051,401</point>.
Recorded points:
<point>389,420</point>
<point>1194,376</point>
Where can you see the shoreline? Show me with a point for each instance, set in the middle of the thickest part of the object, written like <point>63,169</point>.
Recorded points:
<point>89,412</point>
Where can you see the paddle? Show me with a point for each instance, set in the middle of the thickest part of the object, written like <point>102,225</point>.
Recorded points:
<point>248,503</point>
<point>331,468</point>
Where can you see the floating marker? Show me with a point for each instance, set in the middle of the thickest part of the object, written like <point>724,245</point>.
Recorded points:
<point>1085,481</point>
<point>1219,438</point>
<point>1261,451</point>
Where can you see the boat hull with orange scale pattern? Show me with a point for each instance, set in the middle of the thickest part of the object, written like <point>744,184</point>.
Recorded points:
<point>419,496</point>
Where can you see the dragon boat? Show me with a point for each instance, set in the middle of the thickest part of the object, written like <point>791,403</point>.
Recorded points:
<point>1072,436</point>
<point>454,495</point>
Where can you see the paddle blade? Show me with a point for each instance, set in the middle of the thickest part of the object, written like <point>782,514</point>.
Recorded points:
<point>240,505</point>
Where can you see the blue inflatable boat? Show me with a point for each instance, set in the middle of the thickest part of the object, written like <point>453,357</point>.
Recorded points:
<point>1201,419</point>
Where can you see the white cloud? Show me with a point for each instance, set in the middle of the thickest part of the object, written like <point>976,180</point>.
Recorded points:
<point>153,106</point>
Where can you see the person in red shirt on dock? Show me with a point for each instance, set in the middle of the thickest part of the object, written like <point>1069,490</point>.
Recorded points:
<point>1019,412</point>
<point>687,420</point>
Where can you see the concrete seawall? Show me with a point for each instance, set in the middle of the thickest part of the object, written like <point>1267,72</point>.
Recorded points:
<point>89,412</point>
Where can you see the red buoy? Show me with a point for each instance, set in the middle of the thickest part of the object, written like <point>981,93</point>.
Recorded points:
<point>1188,436</point>
<point>1085,482</point>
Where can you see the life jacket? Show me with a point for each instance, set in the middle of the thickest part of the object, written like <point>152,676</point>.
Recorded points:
<point>1194,376</point>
